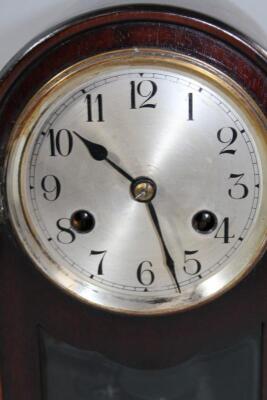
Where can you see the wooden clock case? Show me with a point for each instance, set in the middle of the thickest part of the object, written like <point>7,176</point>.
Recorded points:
<point>28,300</point>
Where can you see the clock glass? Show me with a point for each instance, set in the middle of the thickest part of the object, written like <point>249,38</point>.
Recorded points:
<point>137,181</point>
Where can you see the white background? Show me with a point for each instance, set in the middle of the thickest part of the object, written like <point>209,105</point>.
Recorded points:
<point>22,20</point>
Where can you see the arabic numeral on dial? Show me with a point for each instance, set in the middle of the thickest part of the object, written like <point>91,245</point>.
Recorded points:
<point>93,114</point>
<point>66,235</point>
<point>144,274</point>
<point>61,142</point>
<point>227,136</point>
<point>242,191</point>
<point>190,106</point>
<point>100,265</point>
<point>224,231</point>
<point>192,265</point>
<point>51,186</point>
<point>145,89</point>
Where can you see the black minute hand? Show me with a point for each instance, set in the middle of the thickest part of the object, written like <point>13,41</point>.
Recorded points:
<point>169,260</point>
<point>100,153</point>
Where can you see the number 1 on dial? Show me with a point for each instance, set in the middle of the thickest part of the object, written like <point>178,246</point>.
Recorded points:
<point>190,106</point>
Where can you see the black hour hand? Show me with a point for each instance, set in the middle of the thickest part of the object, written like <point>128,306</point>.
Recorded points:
<point>100,153</point>
<point>97,151</point>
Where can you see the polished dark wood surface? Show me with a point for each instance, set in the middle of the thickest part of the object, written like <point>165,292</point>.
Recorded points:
<point>28,300</point>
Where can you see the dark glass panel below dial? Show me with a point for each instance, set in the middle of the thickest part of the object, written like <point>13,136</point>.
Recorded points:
<point>231,373</point>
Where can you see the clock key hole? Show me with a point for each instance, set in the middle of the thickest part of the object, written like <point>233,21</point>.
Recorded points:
<point>82,221</point>
<point>204,222</point>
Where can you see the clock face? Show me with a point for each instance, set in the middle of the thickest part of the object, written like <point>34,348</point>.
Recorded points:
<point>137,183</point>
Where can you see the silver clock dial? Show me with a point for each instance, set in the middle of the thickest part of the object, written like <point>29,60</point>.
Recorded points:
<point>141,186</point>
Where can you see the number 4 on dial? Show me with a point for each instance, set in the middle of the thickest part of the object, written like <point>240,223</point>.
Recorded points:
<point>224,230</point>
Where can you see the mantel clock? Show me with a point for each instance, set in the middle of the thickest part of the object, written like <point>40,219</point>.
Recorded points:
<point>134,211</point>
